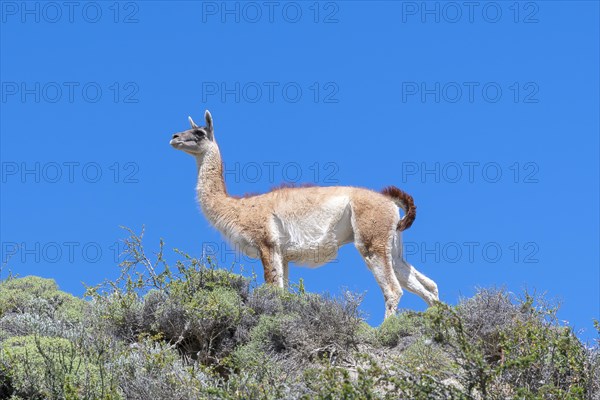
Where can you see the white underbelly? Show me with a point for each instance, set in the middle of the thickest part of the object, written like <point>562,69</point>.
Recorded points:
<point>313,239</point>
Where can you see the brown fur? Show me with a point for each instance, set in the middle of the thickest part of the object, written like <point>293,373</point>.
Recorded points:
<point>284,185</point>
<point>405,201</point>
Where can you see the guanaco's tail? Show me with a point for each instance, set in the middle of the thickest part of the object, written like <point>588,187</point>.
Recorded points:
<point>406,202</point>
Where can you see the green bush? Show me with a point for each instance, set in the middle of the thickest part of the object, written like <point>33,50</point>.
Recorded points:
<point>154,370</point>
<point>202,323</point>
<point>118,313</point>
<point>367,334</point>
<point>544,362</point>
<point>427,357</point>
<point>393,329</point>
<point>375,380</point>
<point>337,383</point>
<point>53,368</point>
<point>40,296</point>
<point>537,358</point>
<point>268,337</point>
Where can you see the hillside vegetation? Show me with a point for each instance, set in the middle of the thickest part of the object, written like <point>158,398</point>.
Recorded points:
<point>193,331</point>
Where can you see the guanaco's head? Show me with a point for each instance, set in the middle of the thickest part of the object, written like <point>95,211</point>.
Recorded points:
<point>197,140</point>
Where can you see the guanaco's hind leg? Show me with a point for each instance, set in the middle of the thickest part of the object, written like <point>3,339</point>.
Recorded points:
<point>415,282</point>
<point>425,281</point>
<point>374,226</point>
<point>381,266</point>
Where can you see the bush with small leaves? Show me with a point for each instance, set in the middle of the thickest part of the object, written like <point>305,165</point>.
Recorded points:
<point>198,276</point>
<point>424,356</point>
<point>487,315</point>
<point>593,384</point>
<point>543,361</point>
<point>54,368</point>
<point>39,296</point>
<point>119,313</point>
<point>366,334</point>
<point>203,323</point>
<point>154,370</point>
<point>270,337</point>
<point>6,387</point>
<point>337,383</point>
<point>23,324</point>
<point>374,380</point>
<point>267,300</point>
<point>267,383</point>
<point>323,325</point>
<point>391,332</point>
<point>538,358</point>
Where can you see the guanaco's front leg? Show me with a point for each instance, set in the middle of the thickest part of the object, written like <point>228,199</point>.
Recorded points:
<point>272,265</point>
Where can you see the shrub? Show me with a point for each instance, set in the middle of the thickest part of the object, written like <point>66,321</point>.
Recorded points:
<point>39,296</point>
<point>6,387</point>
<point>119,314</point>
<point>323,326</point>
<point>545,362</point>
<point>426,357</point>
<point>23,324</point>
<point>374,380</point>
<point>367,334</point>
<point>397,327</point>
<point>538,358</point>
<point>53,368</point>
<point>337,383</point>
<point>202,323</point>
<point>151,370</point>
<point>489,314</point>
<point>268,338</point>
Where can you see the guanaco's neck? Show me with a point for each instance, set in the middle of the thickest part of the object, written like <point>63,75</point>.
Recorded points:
<point>210,189</point>
<point>211,184</point>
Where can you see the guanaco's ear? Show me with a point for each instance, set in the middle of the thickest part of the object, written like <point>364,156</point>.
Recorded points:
<point>209,125</point>
<point>208,118</point>
<point>192,123</point>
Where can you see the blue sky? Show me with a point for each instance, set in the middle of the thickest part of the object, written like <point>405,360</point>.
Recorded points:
<point>488,116</point>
